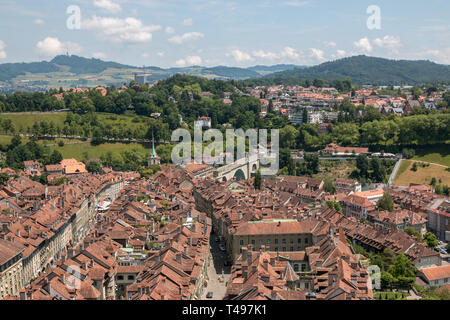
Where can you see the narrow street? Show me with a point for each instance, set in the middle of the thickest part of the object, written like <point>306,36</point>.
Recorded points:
<point>216,270</point>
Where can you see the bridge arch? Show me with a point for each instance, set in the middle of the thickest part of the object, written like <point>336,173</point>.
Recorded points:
<point>239,175</point>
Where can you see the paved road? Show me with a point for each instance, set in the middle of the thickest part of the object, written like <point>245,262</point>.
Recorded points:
<point>394,172</point>
<point>215,269</point>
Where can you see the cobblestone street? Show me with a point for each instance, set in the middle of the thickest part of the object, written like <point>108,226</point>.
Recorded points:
<point>215,269</point>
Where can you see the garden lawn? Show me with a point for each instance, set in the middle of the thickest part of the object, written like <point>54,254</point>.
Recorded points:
<point>406,176</point>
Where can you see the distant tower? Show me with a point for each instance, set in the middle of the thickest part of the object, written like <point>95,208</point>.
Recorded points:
<point>153,158</point>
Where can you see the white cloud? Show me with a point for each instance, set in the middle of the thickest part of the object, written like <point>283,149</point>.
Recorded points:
<point>389,42</point>
<point>317,54</point>
<point>108,5</point>
<point>190,36</point>
<point>2,50</point>
<point>38,21</point>
<point>240,56</point>
<point>440,56</point>
<point>296,3</point>
<point>129,30</point>
<point>291,53</point>
<point>170,30</point>
<point>188,22</point>
<point>52,47</point>
<point>189,61</point>
<point>161,54</point>
<point>329,44</point>
<point>339,54</point>
<point>363,45</point>
<point>265,55</point>
<point>99,55</point>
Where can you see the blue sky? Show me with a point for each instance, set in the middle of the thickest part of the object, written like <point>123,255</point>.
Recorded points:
<point>169,33</point>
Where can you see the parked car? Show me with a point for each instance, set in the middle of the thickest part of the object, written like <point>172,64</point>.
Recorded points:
<point>209,295</point>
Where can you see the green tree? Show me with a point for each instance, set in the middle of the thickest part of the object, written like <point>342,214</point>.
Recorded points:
<point>386,202</point>
<point>328,186</point>
<point>258,180</point>
<point>93,167</point>
<point>4,177</point>
<point>430,239</point>
<point>412,232</point>
<point>334,205</point>
<point>362,163</point>
<point>55,157</point>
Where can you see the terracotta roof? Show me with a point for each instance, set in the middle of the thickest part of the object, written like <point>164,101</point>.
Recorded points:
<point>436,273</point>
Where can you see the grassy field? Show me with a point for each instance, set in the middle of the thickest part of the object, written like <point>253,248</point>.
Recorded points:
<point>79,150</point>
<point>23,120</point>
<point>434,154</point>
<point>406,176</point>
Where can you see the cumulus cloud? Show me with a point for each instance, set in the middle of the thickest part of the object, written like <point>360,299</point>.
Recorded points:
<point>265,55</point>
<point>161,54</point>
<point>99,55</point>
<point>189,61</point>
<point>188,22</point>
<point>317,54</point>
<point>38,21</point>
<point>170,30</point>
<point>130,30</point>
<point>2,50</point>
<point>363,45</point>
<point>52,47</point>
<point>339,54</point>
<point>190,36</point>
<point>108,5</point>
<point>240,56</point>
<point>440,56</point>
<point>389,42</point>
<point>291,53</point>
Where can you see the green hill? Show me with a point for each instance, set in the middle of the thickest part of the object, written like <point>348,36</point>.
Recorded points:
<point>80,65</point>
<point>368,70</point>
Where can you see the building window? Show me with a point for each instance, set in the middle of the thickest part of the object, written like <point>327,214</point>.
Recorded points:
<point>306,240</point>
<point>276,249</point>
<point>130,277</point>
<point>292,241</point>
<point>284,248</point>
<point>284,241</point>
<point>261,242</point>
<point>268,242</point>
<point>119,277</point>
<point>296,267</point>
<point>253,242</point>
<point>299,240</point>
<point>276,241</point>
<point>242,242</point>
<point>292,248</point>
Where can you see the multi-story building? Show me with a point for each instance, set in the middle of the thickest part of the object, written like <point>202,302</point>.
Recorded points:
<point>277,235</point>
<point>11,268</point>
